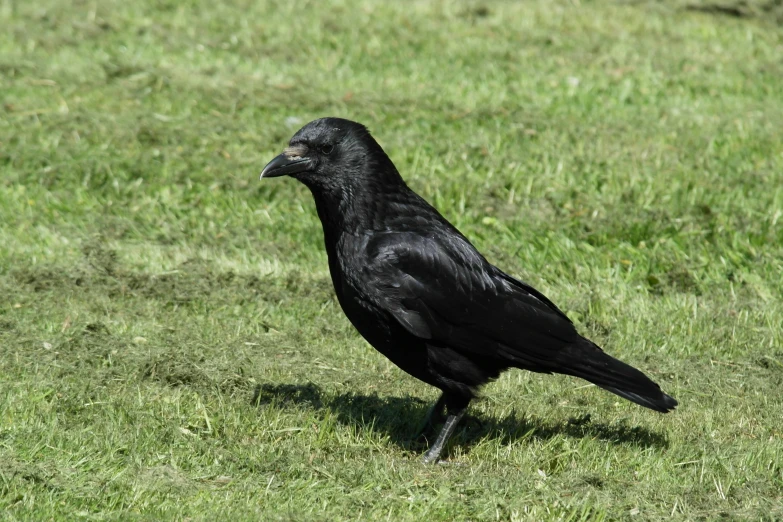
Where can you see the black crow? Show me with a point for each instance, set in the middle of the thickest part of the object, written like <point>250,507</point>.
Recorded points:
<point>420,293</point>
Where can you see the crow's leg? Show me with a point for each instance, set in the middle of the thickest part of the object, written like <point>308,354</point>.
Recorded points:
<point>435,415</point>
<point>455,414</point>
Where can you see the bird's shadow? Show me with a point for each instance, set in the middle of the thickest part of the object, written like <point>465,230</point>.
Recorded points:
<point>400,417</point>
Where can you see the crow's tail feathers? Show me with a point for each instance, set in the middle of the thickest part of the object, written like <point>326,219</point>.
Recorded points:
<point>586,360</point>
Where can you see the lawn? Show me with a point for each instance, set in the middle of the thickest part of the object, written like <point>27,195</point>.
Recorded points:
<point>170,345</point>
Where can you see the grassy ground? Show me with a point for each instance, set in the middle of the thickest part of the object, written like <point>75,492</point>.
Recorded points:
<point>170,347</point>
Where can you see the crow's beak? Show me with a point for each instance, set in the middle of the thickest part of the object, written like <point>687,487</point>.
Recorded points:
<point>284,164</point>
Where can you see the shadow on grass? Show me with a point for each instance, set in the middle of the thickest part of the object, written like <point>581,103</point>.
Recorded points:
<point>399,418</point>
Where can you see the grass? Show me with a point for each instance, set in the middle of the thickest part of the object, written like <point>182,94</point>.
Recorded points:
<point>170,347</point>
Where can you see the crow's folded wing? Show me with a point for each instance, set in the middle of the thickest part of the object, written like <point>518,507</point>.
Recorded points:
<point>440,289</point>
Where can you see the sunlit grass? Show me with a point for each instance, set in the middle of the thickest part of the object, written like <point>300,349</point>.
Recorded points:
<point>170,346</point>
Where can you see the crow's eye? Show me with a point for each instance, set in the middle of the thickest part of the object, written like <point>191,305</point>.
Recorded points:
<point>326,148</point>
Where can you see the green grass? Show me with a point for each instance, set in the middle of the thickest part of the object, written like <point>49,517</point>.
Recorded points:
<point>170,346</point>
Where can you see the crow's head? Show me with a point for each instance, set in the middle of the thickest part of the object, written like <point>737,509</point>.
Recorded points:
<point>333,153</point>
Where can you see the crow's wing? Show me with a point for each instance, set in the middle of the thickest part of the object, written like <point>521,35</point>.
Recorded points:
<point>439,288</point>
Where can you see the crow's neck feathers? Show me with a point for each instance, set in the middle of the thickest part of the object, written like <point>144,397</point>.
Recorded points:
<point>369,195</point>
